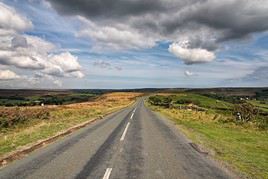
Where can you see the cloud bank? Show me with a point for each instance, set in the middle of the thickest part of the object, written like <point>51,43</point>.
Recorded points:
<point>138,24</point>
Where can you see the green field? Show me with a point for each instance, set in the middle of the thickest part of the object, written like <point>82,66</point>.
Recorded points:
<point>241,146</point>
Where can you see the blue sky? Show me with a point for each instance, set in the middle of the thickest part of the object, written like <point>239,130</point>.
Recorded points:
<point>99,60</point>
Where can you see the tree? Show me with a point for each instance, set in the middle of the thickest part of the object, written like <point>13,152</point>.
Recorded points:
<point>245,112</point>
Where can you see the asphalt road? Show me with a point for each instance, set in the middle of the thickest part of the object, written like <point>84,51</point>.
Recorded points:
<point>132,143</point>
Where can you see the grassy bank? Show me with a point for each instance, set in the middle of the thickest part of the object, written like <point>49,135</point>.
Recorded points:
<point>242,147</point>
<point>22,126</point>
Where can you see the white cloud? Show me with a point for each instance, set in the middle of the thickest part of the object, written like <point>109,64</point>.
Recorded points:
<point>66,61</point>
<point>191,55</point>
<point>39,45</point>
<point>63,65</point>
<point>30,52</point>
<point>8,75</point>
<point>188,73</point>
<point>11,21</point>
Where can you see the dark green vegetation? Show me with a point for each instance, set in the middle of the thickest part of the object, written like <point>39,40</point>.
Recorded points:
<point>38,97</point>
<point>210,118</point>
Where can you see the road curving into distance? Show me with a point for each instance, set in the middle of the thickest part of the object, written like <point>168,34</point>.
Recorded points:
<point>131,143</point>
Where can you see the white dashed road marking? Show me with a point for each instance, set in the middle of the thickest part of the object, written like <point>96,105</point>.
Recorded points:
<point>131,116</point>
<point>124,133</point>
<point>107,173</point>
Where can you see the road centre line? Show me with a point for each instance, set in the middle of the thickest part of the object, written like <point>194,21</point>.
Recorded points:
<point>124,133</point>
<point>107,173</point>
<point>131,116</point>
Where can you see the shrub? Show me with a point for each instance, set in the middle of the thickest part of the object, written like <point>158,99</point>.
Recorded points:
<point>166,102</point>
<point>262,122</point>
<point>10,117</point>
<point>158,100</point>
<point>155,100</point>
<point>245,112</point>
<point>188,101</point>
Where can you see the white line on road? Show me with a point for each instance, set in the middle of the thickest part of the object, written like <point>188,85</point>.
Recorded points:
<point>124,133</point>
<point>107,173</point>
<point>131,116</point>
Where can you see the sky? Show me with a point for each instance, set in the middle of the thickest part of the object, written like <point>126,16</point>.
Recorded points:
<point>71,44</point>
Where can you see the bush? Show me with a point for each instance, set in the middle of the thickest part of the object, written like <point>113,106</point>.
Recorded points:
<point>10,117</point>
<point>160,100</point>
<point>187,101</point>
<point>245,112</point>
<point>155,100</point>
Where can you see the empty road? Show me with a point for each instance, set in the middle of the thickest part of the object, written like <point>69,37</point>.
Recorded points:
<point>131,143</point>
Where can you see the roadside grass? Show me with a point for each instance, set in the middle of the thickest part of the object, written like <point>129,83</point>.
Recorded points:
<point>32,129</point>
<point>243,148</point>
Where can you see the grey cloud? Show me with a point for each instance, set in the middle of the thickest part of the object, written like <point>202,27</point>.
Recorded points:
<point>102,64</point>
<point>24,62</point>
<point>106,65</point>
<point>204,24</point>
<point>107,8</point>
<point>236,18</point>
<point>19,41</point>
<point>118,68</point>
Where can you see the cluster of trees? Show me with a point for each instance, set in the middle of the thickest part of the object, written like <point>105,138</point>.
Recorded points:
<point>158,100</point>
<point>168,101</point>
<point>188,101</point>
